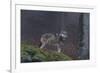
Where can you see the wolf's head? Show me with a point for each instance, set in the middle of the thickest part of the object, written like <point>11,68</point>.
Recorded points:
<point>63,35</point>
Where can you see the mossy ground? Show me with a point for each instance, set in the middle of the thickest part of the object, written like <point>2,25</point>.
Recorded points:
<point>31,53</point>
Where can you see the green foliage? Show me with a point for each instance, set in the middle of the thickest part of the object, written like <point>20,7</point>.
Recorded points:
<point>30,53</point>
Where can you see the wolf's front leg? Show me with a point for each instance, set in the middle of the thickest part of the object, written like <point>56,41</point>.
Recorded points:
<point>58,48</point>
<point>43,45</point>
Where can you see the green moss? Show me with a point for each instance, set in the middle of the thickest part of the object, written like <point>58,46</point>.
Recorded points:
<point>30,53</point>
